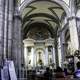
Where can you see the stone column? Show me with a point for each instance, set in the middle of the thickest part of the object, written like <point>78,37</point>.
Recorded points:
<point>10,28</point>
<point>62,43</point>
<point>52,52</point>
<point>35,62</point>
<point>78,25</point>
<point>73,27</point>
<point>25,56</point>
<point>60,55</point>
<point>56,50</point>
<point>54,57</point>
<point>73,35</point>
<point>32,61</point>
<point>17,41</point>
<point>1,30</point>
<point>46,55</point>
<point>6,29</point>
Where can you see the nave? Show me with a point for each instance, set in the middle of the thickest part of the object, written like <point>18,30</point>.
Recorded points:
<point>39,34</point>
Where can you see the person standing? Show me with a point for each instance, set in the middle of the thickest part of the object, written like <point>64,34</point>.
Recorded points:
<point>77,71</point>
<point>48,74</point>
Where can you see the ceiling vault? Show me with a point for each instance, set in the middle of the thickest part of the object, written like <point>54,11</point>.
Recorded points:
<point>45,12</point>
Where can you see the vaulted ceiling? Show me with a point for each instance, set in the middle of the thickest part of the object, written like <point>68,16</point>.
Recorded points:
<point>43,11</point>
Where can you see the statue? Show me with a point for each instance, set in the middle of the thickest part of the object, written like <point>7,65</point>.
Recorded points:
<point>40,60</point>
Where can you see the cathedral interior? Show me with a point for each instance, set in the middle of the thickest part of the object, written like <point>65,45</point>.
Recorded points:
<point>36,34</point>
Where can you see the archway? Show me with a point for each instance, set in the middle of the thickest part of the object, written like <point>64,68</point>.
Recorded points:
<point>52,14</point>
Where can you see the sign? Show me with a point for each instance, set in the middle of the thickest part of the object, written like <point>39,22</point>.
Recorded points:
<point>12,72</point>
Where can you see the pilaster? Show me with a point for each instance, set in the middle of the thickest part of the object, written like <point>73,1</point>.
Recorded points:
<point>54,56</point>
<point>56,50</point>
<point>1,30</point>
<point>46,55</point>
<point>17,40</point>
<point>25,56</point>
<point>62,43</point>
<point>10,28</point>
<point>32,54</point>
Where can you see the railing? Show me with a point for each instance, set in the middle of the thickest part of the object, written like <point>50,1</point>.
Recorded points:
<point>21,74</point>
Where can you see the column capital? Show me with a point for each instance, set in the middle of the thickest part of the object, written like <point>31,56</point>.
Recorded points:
<point>73,17</point>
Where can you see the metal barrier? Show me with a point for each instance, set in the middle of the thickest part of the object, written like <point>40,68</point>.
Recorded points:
<point>21,74</point>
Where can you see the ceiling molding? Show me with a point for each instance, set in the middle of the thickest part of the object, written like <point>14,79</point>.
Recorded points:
<point>58,2</point>
<point>33,21</point>
<point>32,9</point>
<point>34,1</point>
<point>53,12</point>
<point>63,16</point>
<point>28,22</point>
<point>56,8</point>
<point>27,18</point>
<point>48,21</point>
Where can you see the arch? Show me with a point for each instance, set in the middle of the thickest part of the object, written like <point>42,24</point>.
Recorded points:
<point>39,49</point>
<point>59,2</point>
<point>49,27</point>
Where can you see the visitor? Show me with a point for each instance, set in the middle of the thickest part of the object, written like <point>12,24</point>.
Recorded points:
<point>48,74</point>
<point>77,72</point>
<point>65,71</point>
